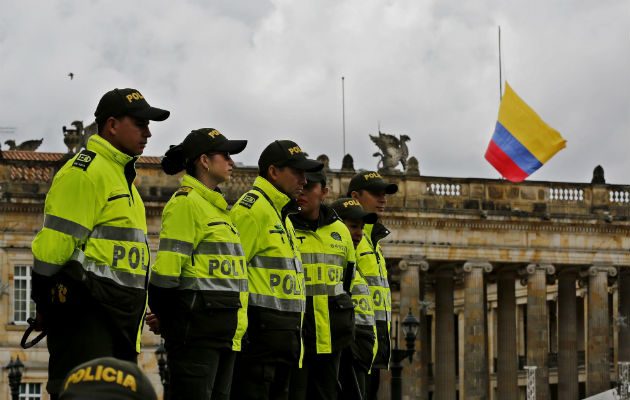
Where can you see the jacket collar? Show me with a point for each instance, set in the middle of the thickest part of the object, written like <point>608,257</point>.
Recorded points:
<point>212,196</point>
<point>103,148</point>
<point>278,199</point>
<point>326,217</point>
<point>375,232</point>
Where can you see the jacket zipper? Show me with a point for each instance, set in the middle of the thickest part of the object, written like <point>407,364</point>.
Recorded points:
<point>223,223</point>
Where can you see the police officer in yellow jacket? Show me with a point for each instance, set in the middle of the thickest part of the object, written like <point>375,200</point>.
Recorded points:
<point>356,361</point>
<point>370,190</point>
<point>198,286</point>
<point>272,346</point>
<point>91,257</point>
<point>328,258</point>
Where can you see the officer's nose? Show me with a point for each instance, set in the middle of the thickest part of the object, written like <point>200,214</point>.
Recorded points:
<point>302,178</point>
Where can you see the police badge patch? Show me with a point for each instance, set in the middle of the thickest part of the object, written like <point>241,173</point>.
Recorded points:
<point>336,236</point>
<point>248,200</point>
<point>84,158</point>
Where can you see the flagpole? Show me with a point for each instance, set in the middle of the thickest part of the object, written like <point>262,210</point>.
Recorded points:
<point>343,114</point>
<point>500,77</point>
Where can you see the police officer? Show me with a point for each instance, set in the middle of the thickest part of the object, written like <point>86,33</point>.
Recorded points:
<point>92,256</point>
<point>198,287</point>
<point>370,190</point>
<point>276,279</point>
<point>356,361</point>
<point>328,258</point>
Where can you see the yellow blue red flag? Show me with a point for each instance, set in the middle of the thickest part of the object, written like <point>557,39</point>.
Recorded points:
<point>522,142</point>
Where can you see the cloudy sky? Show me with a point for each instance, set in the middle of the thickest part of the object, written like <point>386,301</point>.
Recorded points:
<point>271,69</point>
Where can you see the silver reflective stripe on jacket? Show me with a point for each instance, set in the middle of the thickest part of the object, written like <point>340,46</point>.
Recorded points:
<point>221,284</point>
<point>323,258</point>
<point>176,246</point>
<point>376,281</point>
<point>66,226</point>
<point>382,315</point>
<point>219,248</point>
<point>118,233</point>
<point>360,289</point>
<point>364,319</point>
<point>45,268</point>
<point>276,263</point>
<point>261,300</point>
<point>321,289</point>
<point>164,281</point>
<point>121,278</point>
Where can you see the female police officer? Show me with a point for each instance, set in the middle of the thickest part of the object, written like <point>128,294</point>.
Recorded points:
<point>198,286</point>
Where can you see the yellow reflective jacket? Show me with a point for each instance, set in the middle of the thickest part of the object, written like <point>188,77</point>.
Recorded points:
<point>328,258</point>
<point>365,345</point>
<point>198,285</point>
<point>371,263</point>
<point>94,218</point>
<point>274,271</point>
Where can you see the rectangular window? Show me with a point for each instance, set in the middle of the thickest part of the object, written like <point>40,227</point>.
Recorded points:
<point>23,306</point>
<point>31,391</point>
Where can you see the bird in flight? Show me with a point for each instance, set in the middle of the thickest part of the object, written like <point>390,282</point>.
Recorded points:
<point>71,75</point>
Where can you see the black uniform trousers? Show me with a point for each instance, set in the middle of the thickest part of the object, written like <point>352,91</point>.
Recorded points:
<point>78,335</point>
<point>352,377</point>
<point>200,373</point>
<point>318,377</point>
<point>257,379</point>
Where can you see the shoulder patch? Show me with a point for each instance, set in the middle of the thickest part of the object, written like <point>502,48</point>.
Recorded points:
<point>336,236</point>
<point>248,200</point>
<point>183,191</point>
<point>84,159</point>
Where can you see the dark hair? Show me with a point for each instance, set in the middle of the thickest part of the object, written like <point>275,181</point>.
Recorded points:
<point>174,160</point>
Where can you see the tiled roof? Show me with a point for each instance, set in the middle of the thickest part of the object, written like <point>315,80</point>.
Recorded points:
<point>20,155</point>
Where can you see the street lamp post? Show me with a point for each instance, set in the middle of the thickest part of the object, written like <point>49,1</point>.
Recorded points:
<point>15,369</point>
<point>410,326</point>
<point>161,356</point>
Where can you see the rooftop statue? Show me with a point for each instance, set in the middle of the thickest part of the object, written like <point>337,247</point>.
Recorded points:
<point>77,138</point>
<point>393,151</point>
<point>29,145</point>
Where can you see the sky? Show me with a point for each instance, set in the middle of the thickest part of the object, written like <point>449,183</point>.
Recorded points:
<point>271,69</point>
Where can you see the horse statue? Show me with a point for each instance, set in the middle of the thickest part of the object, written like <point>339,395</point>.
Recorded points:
<point>393,151</point>
<point>77,138</point>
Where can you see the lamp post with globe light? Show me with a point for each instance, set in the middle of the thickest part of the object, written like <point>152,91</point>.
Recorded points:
<point>410,325</point>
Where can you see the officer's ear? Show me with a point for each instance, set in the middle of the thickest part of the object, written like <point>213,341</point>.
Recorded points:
<point>355,195</point>
<point>324,192</point>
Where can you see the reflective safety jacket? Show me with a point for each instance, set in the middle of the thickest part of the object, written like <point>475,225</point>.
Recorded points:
<point>365,345</point>
<point>328,257</point>
<point>371,263</point>
<point>274,271</point>
<point>95,232</point>
<point>198,286</point>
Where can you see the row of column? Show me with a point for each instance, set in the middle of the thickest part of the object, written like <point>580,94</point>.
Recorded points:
<point>476,372</point>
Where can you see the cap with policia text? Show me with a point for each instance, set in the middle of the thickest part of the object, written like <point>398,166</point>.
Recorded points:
<point>127,102</point>
<point>318,176</point>
<point>372,181</point>
<point>107,378</point>
<point>198,142</point>
<point>347,208</point>
<point>282,153</point>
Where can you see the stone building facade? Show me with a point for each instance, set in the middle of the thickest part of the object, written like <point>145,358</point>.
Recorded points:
<point>501,276</point>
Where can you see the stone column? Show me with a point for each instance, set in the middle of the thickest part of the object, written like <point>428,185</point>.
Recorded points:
<point>410,297</point>
<point>476,380</point>
<point>444,377</point>
<point>598,360</point>
<point>623,284</point>
<point>507,363</point>
<point>567,335</point>
<point>537,326</point>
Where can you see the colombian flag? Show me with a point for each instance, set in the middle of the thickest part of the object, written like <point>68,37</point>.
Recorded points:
<point>522,142</point>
